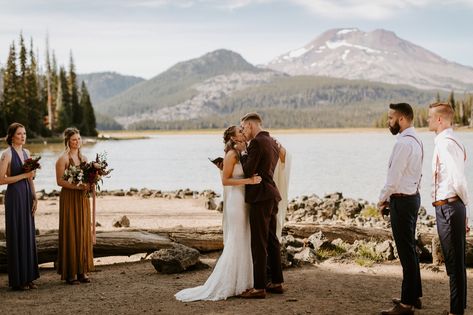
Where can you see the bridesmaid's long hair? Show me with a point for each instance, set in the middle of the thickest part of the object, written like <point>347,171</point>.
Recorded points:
<point>227,138</point>
<point>68,133</point>
<point>11,132</point>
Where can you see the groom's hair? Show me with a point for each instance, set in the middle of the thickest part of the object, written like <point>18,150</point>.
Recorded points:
<point>252,116</point>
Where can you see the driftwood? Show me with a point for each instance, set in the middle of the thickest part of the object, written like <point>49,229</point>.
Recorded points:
<point>348,234</point>
<point>120,243</point>
<point>128,241</point>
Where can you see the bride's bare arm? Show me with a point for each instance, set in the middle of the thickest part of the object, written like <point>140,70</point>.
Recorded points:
<point>228,164</point>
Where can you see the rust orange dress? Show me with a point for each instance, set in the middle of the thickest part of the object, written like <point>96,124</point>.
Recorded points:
<point>75,253</point>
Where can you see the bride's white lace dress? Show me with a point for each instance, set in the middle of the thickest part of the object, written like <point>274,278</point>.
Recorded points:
<point>233,272</point>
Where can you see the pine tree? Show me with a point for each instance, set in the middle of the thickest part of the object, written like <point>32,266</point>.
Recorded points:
<point>10,82</point>
<point>76,109</point>
<point>63,103</point>
<point>33,103</point>
<point>451,99</point>
<point>437,98</point>
<point>88,123</point>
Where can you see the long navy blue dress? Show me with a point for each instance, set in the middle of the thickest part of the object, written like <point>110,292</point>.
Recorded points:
<point>20,228</point>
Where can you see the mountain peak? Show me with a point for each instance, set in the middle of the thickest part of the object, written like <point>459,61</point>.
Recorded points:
<point>379,55</point>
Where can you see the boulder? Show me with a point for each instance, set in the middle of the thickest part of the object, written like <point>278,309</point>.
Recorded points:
<point>319,241</point>
<point>210,204</point>
<point>349,208</point>
<point>174,260</point>
<point>123,222</point>
<point>306,256</point>
<point>385,250</point>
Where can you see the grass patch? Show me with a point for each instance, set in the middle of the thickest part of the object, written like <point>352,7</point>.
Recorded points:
<point>327,253</point>
<point>369,212</point>
<point>366,256</point>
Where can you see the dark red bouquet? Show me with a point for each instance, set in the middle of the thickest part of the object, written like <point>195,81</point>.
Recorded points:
<point>31,164</point>
<point>95,171</point>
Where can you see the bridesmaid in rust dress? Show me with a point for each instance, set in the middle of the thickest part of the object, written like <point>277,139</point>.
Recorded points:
<point>20,206</point>
<point>75,254</point>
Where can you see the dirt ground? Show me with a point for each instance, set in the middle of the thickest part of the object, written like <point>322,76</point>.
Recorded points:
<point>136,288</point>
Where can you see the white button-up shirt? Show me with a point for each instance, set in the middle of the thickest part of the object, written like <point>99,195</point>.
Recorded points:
<point>449,170</point>
<point>405,166</point>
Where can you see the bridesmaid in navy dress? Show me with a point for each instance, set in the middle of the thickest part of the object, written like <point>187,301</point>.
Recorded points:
<point>20,206</point>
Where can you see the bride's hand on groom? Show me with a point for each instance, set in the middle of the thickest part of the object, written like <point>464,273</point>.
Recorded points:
<point>254,180</point>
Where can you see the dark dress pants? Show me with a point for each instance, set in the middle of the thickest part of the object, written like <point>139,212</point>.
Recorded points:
<point>265,248</point>
<point>404,211</point>
<point>452,233</point>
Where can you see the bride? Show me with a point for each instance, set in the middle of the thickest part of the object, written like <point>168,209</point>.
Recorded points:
<point>233,272</point>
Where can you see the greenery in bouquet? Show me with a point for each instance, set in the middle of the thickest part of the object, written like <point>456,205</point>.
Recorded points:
<point>95,171</point>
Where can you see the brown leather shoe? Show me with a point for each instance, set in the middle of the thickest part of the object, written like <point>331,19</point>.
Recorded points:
<point>254,294</point>
<point>274,288</point>
<point>398,309</point>
<point>417,303</point>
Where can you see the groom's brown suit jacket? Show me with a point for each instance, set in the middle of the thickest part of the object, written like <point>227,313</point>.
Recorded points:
<point>262,158</point>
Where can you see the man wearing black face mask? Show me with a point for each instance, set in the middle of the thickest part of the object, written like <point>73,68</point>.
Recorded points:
<point>401,193</point>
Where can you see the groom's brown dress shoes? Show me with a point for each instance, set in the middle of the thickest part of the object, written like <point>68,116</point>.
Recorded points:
<point>398,309</point>
<point>253,294</point>
<point>417,303</point>
<point>274,288</point>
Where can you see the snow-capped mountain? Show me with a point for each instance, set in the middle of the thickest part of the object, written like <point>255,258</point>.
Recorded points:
<point>376,56</point>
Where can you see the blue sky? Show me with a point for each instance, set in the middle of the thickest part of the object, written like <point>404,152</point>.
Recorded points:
<point>145,37</point>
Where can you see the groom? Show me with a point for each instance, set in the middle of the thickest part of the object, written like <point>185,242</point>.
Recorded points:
<point>261,158</point>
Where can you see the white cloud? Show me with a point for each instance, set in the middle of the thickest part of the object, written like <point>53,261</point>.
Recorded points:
<point>368,9</point>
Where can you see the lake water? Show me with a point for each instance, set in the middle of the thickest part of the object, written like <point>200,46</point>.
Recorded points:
<point>354,163</point>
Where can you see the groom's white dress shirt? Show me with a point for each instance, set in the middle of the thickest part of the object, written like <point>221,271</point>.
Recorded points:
<point>448,168</point>
<point>405,166</point>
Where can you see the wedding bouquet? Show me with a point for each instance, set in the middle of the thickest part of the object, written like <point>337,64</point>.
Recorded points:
<point>74,174</point>
<point>95,171</point>
<point>31,164</point>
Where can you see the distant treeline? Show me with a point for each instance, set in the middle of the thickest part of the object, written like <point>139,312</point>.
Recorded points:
<point>463,112</point>
<point>46,102</point>
<point>303,102</point>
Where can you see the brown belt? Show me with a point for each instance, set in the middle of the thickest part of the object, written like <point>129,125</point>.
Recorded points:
<point>439,203</point>
<point>403,195</point>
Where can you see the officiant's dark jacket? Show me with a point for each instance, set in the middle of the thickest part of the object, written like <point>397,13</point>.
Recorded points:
<point>262,158</point>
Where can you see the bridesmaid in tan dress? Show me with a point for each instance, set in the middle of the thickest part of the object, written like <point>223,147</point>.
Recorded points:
<point>75,255</point>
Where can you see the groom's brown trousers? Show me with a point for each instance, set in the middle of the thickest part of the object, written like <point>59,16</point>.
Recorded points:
<point>265,247</point>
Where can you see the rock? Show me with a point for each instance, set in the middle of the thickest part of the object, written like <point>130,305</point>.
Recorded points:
<point>210,204</point>
<point>118,193</point>
<point>174,260</point>
<point>319,241</point>
<point>349,208</point>
<point>306,256</point>
<point>133,190</point>
<point>385,250</point>
<point>123,222</point>
<point>145,193</point>
<point>220,206</point>
<point>286,257</point>
<point>437,255</point>
<point>334,196</point>
<point>97,224</point>
<point>289,240</point>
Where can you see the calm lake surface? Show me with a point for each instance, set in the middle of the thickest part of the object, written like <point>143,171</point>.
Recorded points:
<point>354,163</point>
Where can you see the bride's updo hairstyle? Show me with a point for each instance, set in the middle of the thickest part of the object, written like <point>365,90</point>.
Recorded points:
<point>227,138</point>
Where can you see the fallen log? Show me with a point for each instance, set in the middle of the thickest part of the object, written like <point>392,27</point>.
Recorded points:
<point>120,243</point>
